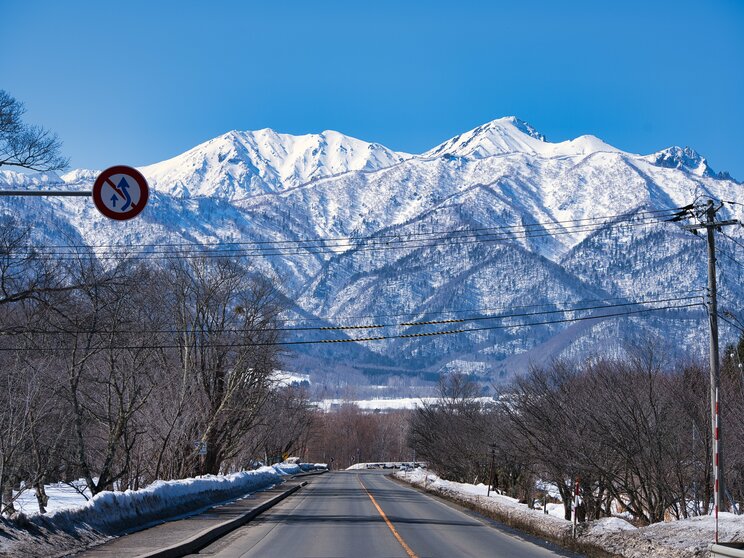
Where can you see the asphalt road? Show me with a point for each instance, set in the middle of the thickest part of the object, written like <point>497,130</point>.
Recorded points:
<point>363,514</point>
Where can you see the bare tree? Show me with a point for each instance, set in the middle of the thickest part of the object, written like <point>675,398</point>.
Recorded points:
<point>539,413</point>
<point>99,333</point>
<point>632,432</point>
<point>452,434</point>
<point>24,145</point>
<point>286,424</point>
<point>225,332</point>
<point>16,394</point>
<point>25,274</point>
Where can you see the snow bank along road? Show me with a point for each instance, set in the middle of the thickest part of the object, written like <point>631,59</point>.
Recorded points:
<point>366,515</point>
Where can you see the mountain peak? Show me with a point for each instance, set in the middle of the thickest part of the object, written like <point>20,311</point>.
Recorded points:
<point>239,164</point>
<point>497,137</point>
<point>522,126</point>
<point>511,135</point>
<point>683,158</point>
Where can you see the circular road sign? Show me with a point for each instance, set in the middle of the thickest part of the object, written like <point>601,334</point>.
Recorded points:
<point>120,192</point>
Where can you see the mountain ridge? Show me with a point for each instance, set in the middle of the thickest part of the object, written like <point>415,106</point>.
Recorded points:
<point>494,217</point>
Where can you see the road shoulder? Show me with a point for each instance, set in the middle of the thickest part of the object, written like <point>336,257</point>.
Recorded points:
<point>188,535</point>
<point>505,523</point>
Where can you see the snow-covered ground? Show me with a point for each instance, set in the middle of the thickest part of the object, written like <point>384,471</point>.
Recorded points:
<point>382,465</point>
<point>73,521</point>
<point>384,404</point>
<point>614,535</point>
<point>62,496</point>
<point>286,378</point>
<point>75,495</point>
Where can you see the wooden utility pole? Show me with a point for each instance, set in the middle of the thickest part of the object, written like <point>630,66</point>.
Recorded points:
<point>710,225</point>
<point>715,364</point>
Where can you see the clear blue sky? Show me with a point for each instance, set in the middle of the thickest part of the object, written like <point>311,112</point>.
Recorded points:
<point>137,82</point>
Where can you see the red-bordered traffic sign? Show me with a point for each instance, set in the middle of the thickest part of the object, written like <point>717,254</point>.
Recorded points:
<point>120,192</point>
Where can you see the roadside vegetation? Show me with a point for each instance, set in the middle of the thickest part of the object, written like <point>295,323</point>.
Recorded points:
<point>635,433</point>
<point>350,435</point>
<point>124,374</point>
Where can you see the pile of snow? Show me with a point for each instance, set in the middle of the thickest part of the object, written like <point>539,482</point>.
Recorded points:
<point>287,468</point>
<point>313,466</point>
<point>507,509</point>
<point>112,512</point>
<point>609,525</point>
<point>75,495</point>
<point>686,538</point>
<point>74,523</point>
<point>382,465</point>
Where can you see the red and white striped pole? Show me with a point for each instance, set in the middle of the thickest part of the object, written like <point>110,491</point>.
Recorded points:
<point>575,505</point>
<point>716,465</point>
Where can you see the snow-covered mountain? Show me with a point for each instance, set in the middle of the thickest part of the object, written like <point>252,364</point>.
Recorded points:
<point>686,159</point>
<point>511,135</point>
<point>241,164</point>
<point>491,221</point>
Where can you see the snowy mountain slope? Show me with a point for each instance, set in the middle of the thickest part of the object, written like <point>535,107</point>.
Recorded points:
<point>495,218</point>
<point>241,164</point>
<point>445,283</point>
<point>511,135</point>
<point>682,158</point>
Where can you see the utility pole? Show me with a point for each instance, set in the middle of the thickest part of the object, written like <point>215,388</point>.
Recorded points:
<point>711,225</point>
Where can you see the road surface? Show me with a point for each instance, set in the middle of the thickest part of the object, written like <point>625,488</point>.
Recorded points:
<point>364,514</point>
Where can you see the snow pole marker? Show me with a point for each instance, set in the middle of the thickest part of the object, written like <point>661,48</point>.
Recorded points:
<point>575,506</point>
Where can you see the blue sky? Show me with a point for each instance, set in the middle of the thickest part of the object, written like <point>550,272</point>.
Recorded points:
<point>138,82</point>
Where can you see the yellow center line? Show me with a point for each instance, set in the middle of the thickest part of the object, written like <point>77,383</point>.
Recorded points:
<point>411,553</point>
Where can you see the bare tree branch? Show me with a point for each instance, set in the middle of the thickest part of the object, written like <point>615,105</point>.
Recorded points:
<point>24,145</point>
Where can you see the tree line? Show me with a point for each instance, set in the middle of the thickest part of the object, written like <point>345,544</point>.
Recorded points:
<point>349,435</point>
<point>635,433</point>
<point>121,374</point>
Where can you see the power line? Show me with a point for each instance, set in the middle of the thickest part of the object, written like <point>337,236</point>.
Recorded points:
<point>525,314</point>
<point>318,250</point>
<point>732,324</point>
<point>732,239</point>
<point>358,327</point>
<point>481,310</point>
<point>375,239</point>
<point>543,224</point>
<point>489,328</point>
<point>730,257</point>
<point>379,338</point>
